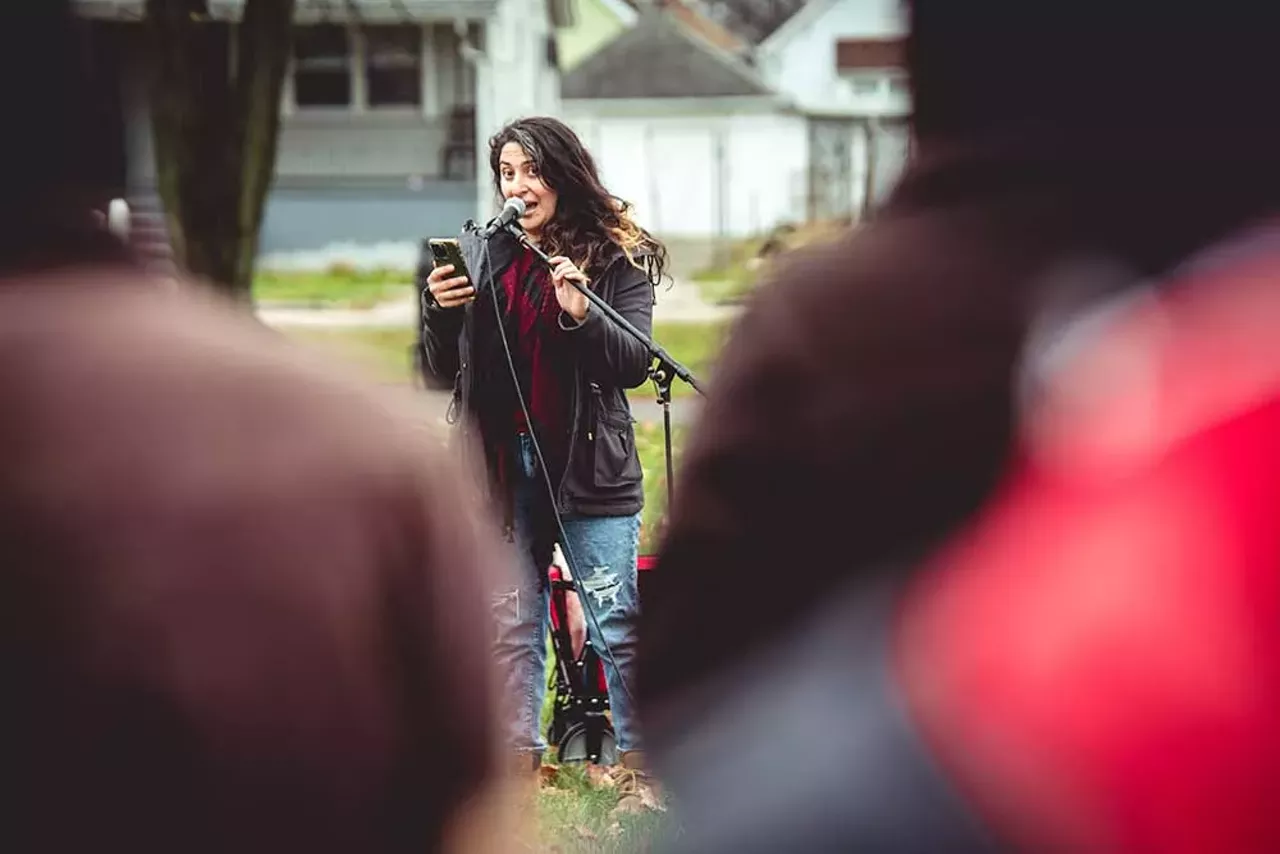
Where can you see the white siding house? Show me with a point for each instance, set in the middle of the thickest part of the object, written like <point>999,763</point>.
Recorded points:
<point>687,133</point>
<point>801,58</point>
<point>840,62</point>
<point>730,170</point>
<point>710,143</point>
<point>386,114</point>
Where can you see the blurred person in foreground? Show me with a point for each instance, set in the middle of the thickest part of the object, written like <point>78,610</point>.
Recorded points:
<point>974,543</point>
<point>242,604</point>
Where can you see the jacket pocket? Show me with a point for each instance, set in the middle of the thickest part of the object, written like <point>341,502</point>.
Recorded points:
<point>617,462</point>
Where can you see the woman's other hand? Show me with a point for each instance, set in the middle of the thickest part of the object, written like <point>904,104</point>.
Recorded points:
<point>572,301</point>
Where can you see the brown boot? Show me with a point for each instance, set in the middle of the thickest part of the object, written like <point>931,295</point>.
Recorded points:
<point>637,790</point>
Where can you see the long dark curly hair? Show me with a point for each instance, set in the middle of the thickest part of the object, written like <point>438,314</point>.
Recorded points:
<point>590,223</point>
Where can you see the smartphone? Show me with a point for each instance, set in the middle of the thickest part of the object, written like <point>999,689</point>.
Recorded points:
<point>447,251</point>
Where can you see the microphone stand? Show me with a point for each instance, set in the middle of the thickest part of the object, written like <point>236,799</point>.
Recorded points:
<point>663,368</point>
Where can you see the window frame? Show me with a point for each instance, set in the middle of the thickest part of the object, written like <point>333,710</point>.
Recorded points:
<point>357,64</point>
<point>417,63</point>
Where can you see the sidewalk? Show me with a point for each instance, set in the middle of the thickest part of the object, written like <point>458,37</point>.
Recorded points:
<point>399,314</point>
<point>683,303</point>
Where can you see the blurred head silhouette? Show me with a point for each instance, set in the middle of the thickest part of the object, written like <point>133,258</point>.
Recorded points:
<point>228,572</point>
<point>995,64</point>
<point>55,154</point>
<point>1154,117</point>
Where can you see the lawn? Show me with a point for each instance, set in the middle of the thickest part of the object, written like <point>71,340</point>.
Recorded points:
<point>575,814</point>
<point>384,354</point>
<point>649,442</point>
<point>734,274</point>
<point>337,287</point>
<point>695,345</point>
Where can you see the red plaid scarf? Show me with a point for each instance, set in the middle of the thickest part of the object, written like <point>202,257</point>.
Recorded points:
<point>533,312</point>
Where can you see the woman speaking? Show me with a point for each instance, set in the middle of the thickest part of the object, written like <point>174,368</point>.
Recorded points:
<point>573,365</point>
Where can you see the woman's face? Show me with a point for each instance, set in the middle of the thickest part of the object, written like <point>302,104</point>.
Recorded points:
<point>518,178</point>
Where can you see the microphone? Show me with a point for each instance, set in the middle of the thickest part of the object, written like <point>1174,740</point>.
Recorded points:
<point>511,211</point>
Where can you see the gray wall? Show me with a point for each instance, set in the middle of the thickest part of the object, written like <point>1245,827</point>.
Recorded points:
<point>314,217</point>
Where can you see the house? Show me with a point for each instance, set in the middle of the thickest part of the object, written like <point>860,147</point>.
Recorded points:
<point>843,64</point>
<point>386,110</point>
<point>726,119</point>
<point>694,138</point>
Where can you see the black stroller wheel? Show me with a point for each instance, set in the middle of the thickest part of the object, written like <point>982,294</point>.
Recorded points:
<point>576,745</point>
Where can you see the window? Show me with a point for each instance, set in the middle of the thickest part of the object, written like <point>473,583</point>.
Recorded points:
<point>865,84</point>
<point>393,63</point>
<point>866,54</point>
<point>898,86</point>
<point>322,70</point>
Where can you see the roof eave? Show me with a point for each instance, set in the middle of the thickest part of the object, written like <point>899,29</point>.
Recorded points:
<point>363,11</point>
<point>690,105</point>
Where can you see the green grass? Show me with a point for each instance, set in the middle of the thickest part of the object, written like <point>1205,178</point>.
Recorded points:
<point>337,287</point>
<point>726,284</point>
<point>649,442</point>
<point>383,354</point>
<point>695,345</point>
<point>731,277</point>
<point>739,267</point>
<point>576,816</point>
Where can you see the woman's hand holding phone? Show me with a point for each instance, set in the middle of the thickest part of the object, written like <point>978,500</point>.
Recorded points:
<point>449,292</point>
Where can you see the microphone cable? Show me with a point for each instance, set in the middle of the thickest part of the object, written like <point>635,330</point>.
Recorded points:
<point>585,600</point>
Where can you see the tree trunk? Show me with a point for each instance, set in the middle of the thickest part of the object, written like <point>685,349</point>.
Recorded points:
<point>215,114</point>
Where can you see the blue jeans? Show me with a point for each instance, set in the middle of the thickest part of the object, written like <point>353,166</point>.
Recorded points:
<point>602,553</point>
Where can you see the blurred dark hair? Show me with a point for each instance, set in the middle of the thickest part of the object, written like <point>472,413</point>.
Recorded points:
<point>54,156</point>
<point>590,223</point>
<point>1118,63</point>
<point>1154,121</point>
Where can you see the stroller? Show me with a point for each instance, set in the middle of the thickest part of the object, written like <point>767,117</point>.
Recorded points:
<point>580,726</point>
